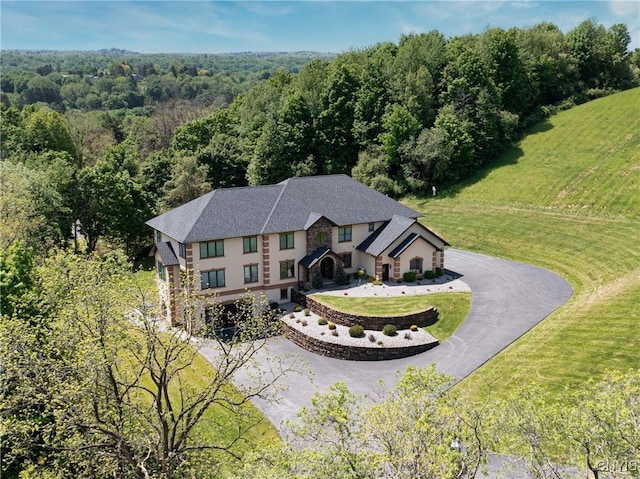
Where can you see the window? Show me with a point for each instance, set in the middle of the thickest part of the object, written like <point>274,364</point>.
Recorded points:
<point>344,234</point>
<point>251,273</point>
<point>158,236</point>
<point>286,269</point>
<point>162,271</point>
<point>284,293</point>
<point>346,257</point>
<point>212,279</point>
<point>211,249</point>
<point>321,239</point>
<point>286,240</point>
<point>416,265</point>
<point>182,250</point>
<point>372,226</point>
<point>250,244</point>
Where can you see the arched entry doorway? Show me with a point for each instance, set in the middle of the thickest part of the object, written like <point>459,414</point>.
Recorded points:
<point>326,267</point>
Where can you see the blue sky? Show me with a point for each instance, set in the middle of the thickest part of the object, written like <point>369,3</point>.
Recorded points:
<point>234,26</point>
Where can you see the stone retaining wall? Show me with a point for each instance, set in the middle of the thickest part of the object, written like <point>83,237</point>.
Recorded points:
<point>420,319</point>
<point>352,353</point>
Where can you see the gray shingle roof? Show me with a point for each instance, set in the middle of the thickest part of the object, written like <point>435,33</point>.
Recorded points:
<point>386,234</point>
<point>287,206</point>
<point>167,255</point>
<point>408,241</point>
<point>311,259</point>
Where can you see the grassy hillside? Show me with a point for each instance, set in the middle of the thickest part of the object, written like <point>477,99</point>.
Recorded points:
<point>567,198</point>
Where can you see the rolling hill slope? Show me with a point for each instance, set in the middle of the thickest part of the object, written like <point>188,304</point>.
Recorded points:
<point>567,198</point>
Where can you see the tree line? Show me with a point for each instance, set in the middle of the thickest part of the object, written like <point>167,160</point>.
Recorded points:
<point>397,117</point>
<point>115,79</point>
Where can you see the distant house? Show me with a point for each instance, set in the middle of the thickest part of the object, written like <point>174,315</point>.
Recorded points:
<point>268,239</point>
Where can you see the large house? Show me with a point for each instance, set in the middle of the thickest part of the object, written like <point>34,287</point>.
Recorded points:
<point>268,239</point>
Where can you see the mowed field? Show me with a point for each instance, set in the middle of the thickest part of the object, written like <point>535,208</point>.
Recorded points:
<point>566,198</point>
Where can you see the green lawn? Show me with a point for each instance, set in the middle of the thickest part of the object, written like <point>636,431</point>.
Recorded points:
<point>566,198</point>
<point>452,308</point>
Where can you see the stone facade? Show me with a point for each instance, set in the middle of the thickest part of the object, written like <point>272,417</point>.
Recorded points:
<point>353,353</point>
<point>420,319</point>
<point>319,234</point>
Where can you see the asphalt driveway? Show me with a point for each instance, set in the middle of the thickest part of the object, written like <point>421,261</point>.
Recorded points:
<point>508,299</point>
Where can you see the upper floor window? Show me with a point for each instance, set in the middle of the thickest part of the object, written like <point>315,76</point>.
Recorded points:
<point>416,265</point>
<point>182,250</point>
<point>372,226</point>
<point>158,236</point>
<point>211,249</point>
<point>286,240</point>
<point>250,244</point>
<point>212,279</point>
<point>321,239</point>
<point>251,273</point>
<point>344,234</point>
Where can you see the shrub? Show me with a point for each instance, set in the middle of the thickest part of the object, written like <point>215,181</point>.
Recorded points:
<point>304,322</point>
<point>332,325</point>
<point>413,327</point>
<point>407,335</point>
<point>307,312</point>
<point>377,282</point>
<point>292,315</point>
<point>334,332</point>
<point>297,309</point>
<point>439,271</point>
<point>322,321</point>
<point>409,277</point>
<point>341,277</point>
<point>356,331</point>
<point>389,330</point>
<point>372,338</point>
<point>380,343</point>
<point>298,320</point>
<point>317,280</point>
<point>429,274</point>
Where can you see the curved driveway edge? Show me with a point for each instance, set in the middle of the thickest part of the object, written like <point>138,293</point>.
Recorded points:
<point>508,299</point>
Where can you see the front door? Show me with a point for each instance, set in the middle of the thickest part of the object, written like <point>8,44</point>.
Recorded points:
<point>326,268</point>
<point>385,272</point>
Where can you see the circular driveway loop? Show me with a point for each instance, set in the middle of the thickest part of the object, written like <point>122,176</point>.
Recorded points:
<point>508,299</point>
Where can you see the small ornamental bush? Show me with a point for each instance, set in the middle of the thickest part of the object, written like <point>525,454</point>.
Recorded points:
<point>297,309</point>
<point>356,331</point>
<point>429,274</point>
<point>413,327</point>
<point>334,332</point>
<point>372,338</point>
<point>332,325</point>
<point>409,277</point>
<point>304,322</point>
<point>322,321</point>
<point>317,280</point>
<point>407,335</point>
<point>298,320</point>
<point>292,315</point>
<point>377,282</point>
<point>389,330</point>
<point>380,343</point>
<point>307,312</point>
<point>439,271</point>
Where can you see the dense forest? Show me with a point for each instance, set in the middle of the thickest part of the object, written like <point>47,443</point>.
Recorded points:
<point>112,138</point>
